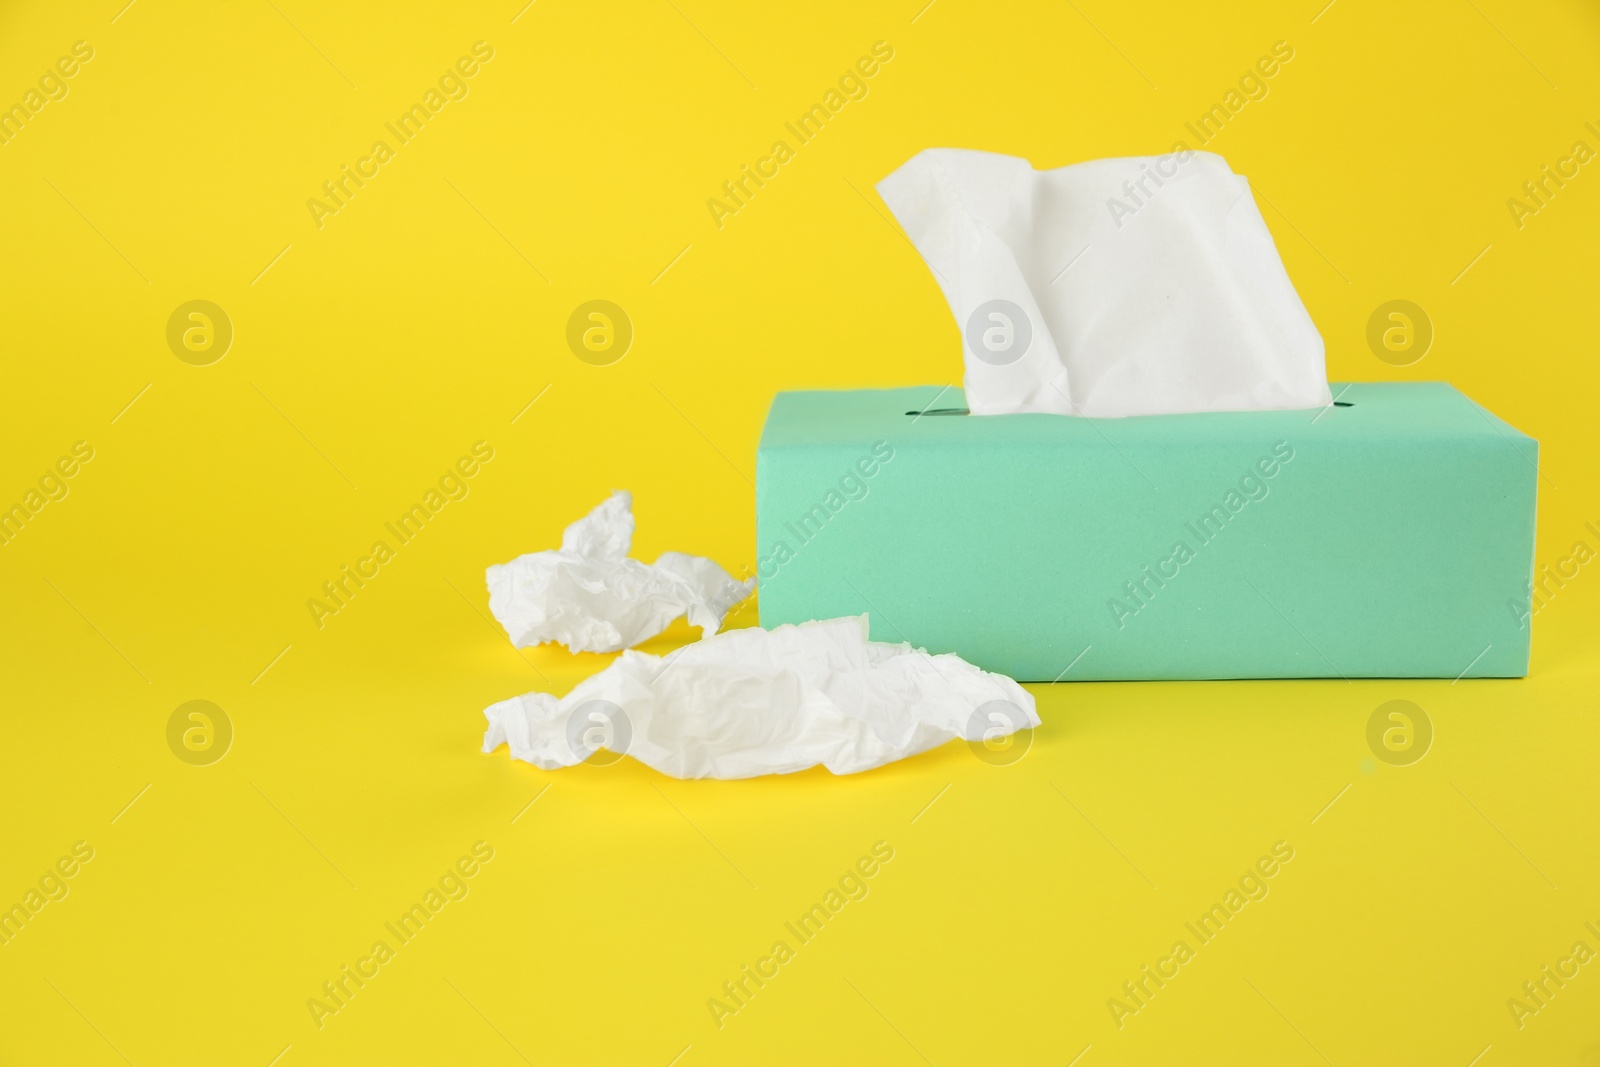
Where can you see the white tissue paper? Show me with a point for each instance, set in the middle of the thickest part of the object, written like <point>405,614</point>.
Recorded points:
<point>751,702</point>
<point>1140,286</point>
<point>591,597</point>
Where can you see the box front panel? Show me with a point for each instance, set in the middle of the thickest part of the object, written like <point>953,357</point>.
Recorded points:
<point>1270,545</point>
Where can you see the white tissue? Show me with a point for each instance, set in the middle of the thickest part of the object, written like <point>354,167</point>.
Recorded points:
<point>751,702</point>
<point>1139,286</point>
<point>591,597</point>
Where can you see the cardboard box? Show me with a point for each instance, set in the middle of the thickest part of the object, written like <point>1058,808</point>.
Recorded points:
<point>1388,536</point>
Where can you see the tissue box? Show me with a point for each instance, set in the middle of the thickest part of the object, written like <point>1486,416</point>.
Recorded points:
<point>1390,535</point>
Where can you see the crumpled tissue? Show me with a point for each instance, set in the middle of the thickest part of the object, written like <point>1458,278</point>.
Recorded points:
<point>591,597</point>
<point>753,701</point>
<point>1138,286</point>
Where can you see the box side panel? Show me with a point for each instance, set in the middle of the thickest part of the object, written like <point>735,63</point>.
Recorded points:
<point>810,501</point>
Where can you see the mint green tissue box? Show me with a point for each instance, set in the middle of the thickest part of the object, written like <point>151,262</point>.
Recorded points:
<point>1389,536</point>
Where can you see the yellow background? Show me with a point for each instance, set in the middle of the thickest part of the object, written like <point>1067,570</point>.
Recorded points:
<point>431,310</point>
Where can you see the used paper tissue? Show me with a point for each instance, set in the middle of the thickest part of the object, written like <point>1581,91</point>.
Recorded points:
<point>1137,286</point>
<point>589,596</point>
<point>752,702</point>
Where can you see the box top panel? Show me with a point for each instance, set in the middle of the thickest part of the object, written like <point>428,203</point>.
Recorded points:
<point>1369,412</point>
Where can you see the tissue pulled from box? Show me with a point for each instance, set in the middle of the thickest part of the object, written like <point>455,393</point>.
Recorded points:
<point>1138,286</point>
<point>751,702</point>
<point>589,596</point>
